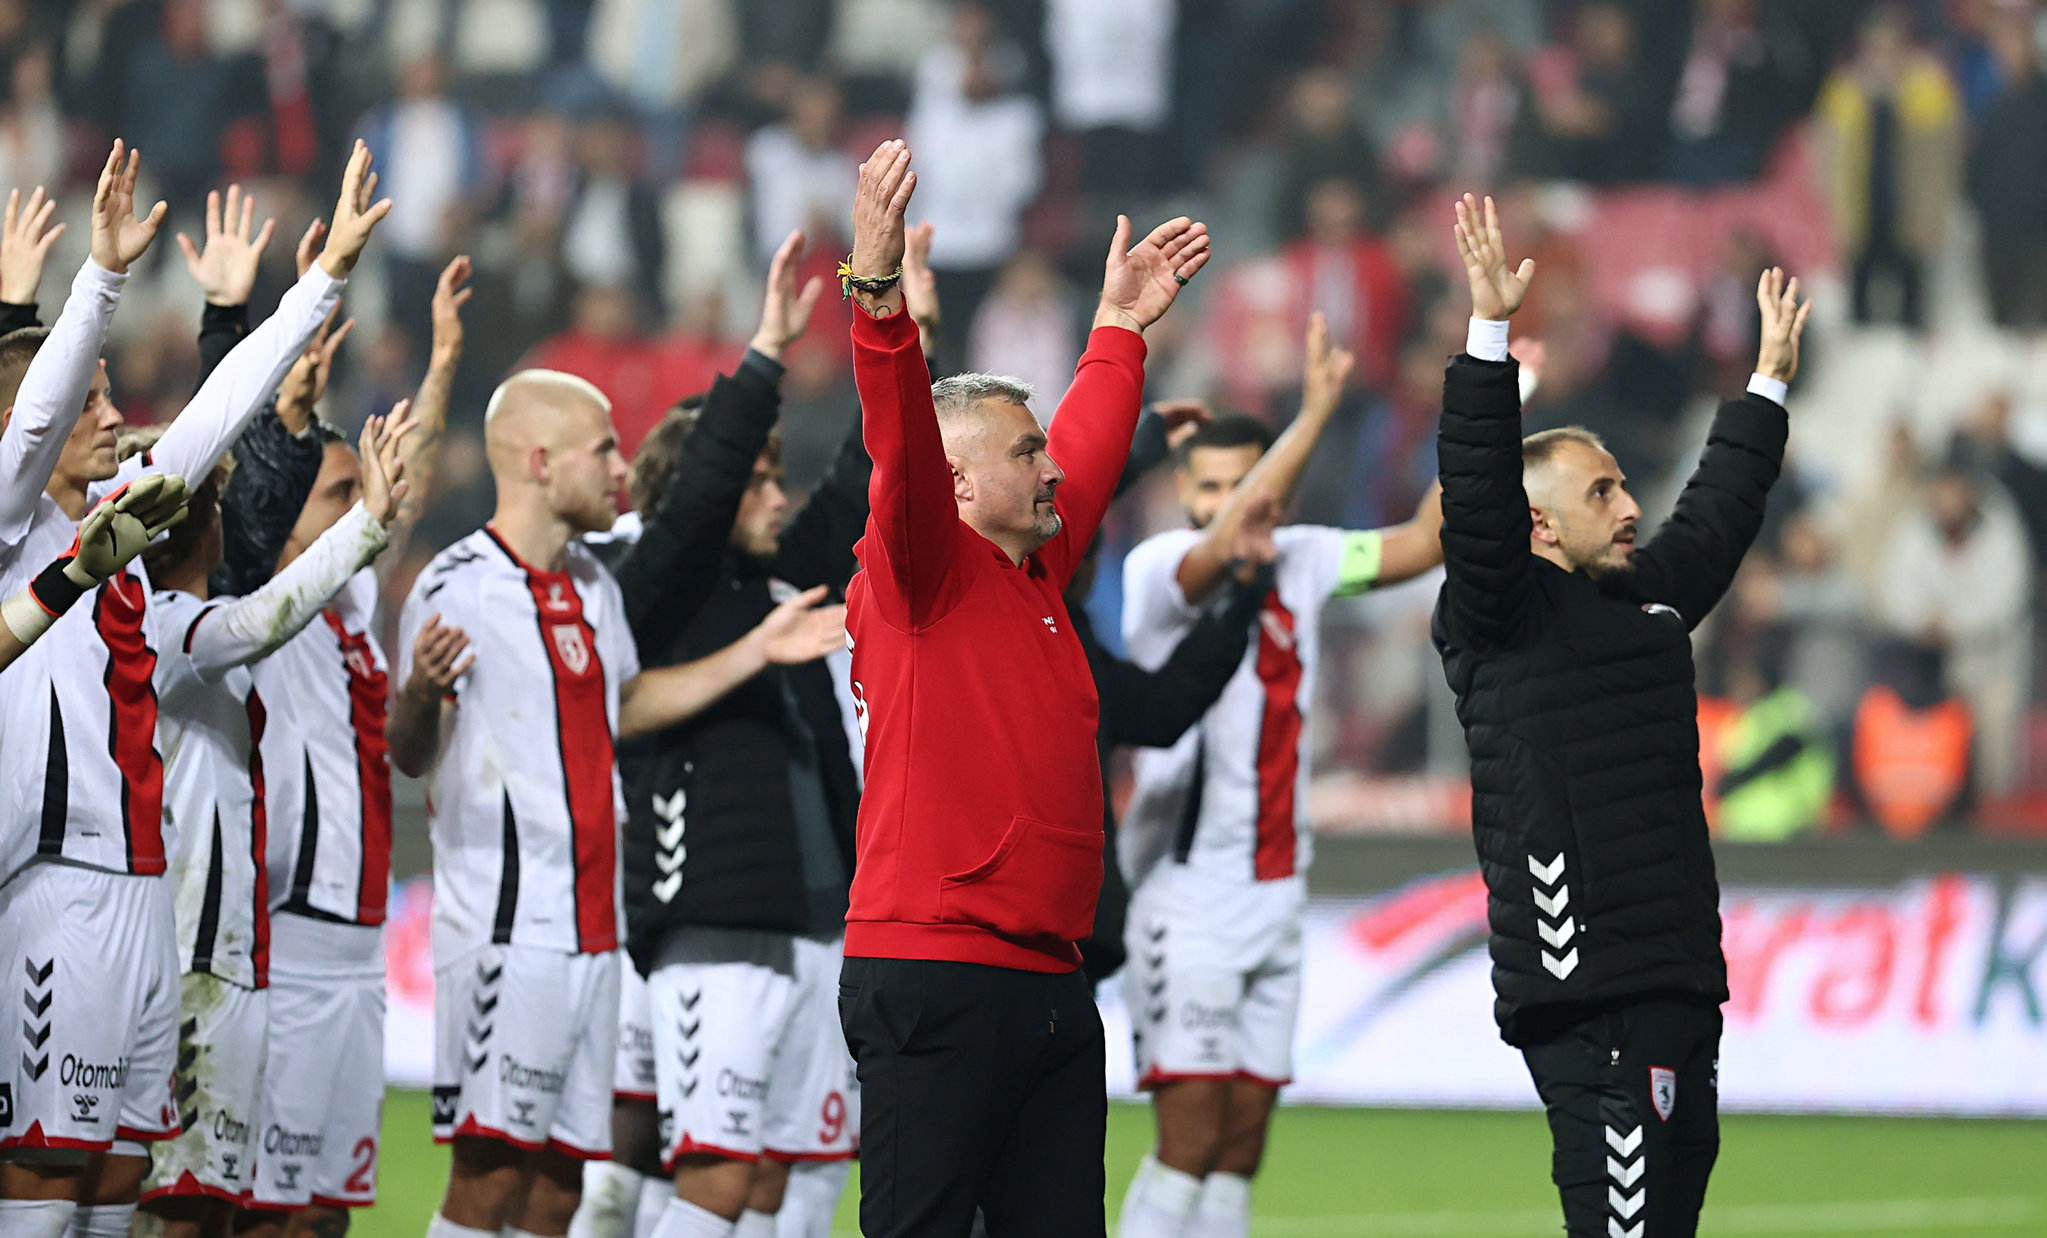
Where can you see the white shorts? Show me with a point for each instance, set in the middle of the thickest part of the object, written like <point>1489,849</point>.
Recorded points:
<point>749,1055</point>
<point>323,1085</point>
<point>1214,977</point>
<point>222,1040</point>
<point>95,957</point>
<point>524,1045</point>
<point>633,1075</point>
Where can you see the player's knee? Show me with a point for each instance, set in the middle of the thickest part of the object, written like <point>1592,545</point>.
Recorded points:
<point>1192,1143</point>
<point>1243,1149</point>
<point>636,1137</point>
<point>714,1183</point>
<point>483,1182</point>
<point>770,1184</point>
<point>554,1188</point>
<point>316,1222</point>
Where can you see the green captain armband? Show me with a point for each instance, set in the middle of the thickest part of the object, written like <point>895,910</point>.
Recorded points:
<point>1358,570</point>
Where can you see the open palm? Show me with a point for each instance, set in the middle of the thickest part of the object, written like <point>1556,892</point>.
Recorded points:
<point>1140,281</point>
<point>1496,290</point>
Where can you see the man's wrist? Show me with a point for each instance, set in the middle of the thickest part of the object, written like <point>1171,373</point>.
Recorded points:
<point>1486,339</point>
<point>1768,386</point>
<point>1108,315</point>
<point>767,346</point>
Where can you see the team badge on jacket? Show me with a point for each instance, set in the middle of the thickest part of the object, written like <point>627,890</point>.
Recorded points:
<point>574,651</point>
<point>1663,1090</point>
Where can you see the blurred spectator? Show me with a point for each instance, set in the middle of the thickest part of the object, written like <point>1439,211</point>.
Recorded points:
<point>1958,577</point>
<point>1776,763</point>
<point>1596,105</point>
<point>179,103</point>
<point>1990,438</point>
<point>1112,82</point>
<point>1735,92</point>
<point>1342,271</point>
<point>801,177</point>
<point>1029,327</point>
<point>430,163</point>
<point>603,345</point>
<point>1486,97</point>
<point>886,37</point>
<point>1323,144</point>
<point>980,163</point>
<point>1826,656</point>
<point>785,32</point>
<point>659,56</point>
<point>31,130</point>
<point>2008,179</point>
<point>612,226</point>
<point>1889,126</point>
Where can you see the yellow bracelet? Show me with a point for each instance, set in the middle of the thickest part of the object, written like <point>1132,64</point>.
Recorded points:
<point>849,281</point>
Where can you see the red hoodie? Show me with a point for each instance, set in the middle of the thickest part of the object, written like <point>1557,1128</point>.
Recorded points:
<point>980,837</point>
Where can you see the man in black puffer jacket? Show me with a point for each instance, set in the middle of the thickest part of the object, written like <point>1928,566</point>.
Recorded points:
<point>1569,650</point>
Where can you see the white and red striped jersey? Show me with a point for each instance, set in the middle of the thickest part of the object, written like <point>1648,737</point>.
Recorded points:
<point>328,768</point>
<point>1231,798</point>
<point>525,800</point>
<point>211,725</point>
<point>78,710</point>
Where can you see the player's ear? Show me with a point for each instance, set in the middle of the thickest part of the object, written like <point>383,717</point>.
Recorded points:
<point>962,485</point>
<point>6,418</point>
<point>536,464</point>
<point>1544,529</point>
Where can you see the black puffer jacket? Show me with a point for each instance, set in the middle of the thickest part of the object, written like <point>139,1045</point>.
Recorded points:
<point>1578,706</point>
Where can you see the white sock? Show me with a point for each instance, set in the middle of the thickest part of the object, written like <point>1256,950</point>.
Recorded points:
<point>102,1220</point>
<point>611,1194</point>
<point>36,1218</point>
<point>811,1200</point>
<point>1161,1199</point>
<point>1224,1209</point>
<point>683,1219</point>
<point>753,1224</point>
<point>442,1227</point>
<point>513,1231</point>
<point>654,1197</point>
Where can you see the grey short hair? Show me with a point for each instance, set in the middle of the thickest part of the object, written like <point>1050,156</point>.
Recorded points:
<point>960,392</point>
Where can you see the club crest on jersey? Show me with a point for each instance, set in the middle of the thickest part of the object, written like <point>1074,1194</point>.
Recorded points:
<point>1663,1090</point>
<point>574,650</point>
<point>358,663</point>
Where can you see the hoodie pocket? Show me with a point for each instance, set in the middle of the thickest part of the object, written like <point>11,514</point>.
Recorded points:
<point>1041,881</point>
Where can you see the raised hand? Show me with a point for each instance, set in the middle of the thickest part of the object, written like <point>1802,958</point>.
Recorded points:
<point>800,630</point>
<point>438,659</point>
<point>306,381</point>
<point>449,297</point>
<point>121,525</point>
<point>1783,324</point>
<point>309,246</point>
<point>1496,292</point>
<point>25,239</point>
<point>1253,546</point>
<point>226,269</point>
<point>879,240</point>
<point>1182,418</point>
<point>118,238</point>
<point>785,313</point>
<point>383,462</point>
<point>920,282</point>
<point>1327,371</point>
<point>1140,283</point>
<point>354,215</point>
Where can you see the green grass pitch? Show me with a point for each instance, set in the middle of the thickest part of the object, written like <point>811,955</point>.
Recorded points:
<point>1376,1173</point>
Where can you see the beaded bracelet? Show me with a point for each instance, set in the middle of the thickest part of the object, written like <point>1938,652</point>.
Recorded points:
<point>849,281</point>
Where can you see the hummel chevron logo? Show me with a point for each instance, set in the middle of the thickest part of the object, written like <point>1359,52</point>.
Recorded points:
<point>1547,874</point>
<point>1156,933</point>
<point>33,1034</point>
<point>689,1030</point>
<point>490,976</point>
<point>1553,906</point>
<point>186,1057</point>
<point>1625,1145</point>
<point>668,837</point>
<point>690,1058</point>
<point>670,808</point>
<point>1614,1230</point>
<point>35,1067</point>
<point>668,861</point>
<point>39,977</point>
<point>1626,1205</point>
<point>37,1006</point>
<point>1558,936</point>
<point>689,1089</point>
<point>485,1006</point>
<point>1561,968</point>
<point>665,888</point>
<point>476,1063</point>
<point>690,1002</point>
<point>1626,1175</point>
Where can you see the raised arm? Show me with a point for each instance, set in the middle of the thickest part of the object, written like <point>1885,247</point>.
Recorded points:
<point>1277,472</point>
<point>799,630</point>
<point>1692,559</point>
<point>225,271</point>
<point>913,525</point>
<point>26,236</point>
<point>1091,432</point>
<point>667,575</point>
<point>1489,567</point>
<point>430,404</point>
<point>236,391</point>
<point>238,632</point>
<point>52,392</point>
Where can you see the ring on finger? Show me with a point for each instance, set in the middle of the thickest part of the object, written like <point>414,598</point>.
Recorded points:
<point>1179,279</point>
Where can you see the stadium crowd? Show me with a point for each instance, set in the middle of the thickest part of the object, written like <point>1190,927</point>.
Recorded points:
<point>621,169</point>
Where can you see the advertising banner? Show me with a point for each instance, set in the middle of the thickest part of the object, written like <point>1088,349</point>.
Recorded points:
<point>1926,997</point>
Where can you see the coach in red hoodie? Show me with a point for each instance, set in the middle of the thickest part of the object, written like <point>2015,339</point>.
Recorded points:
<point>980,836</point>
